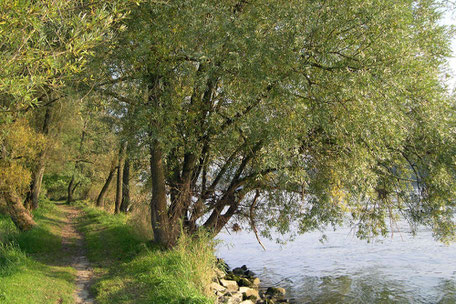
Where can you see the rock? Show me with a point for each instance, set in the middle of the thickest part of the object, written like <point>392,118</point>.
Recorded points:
<point>235,298</point>
<point>251,298</point>
<point>244,282</point>
<point>238,271</point>
<point>267,301</point>
<point>256,282</point>
<point>230,285</point>
<point>231,276</point>
<point>243,267</point>
<point>276,291</point>
<point>219,273</point>
<point>249,292</point>
<point>217,287</point>
<point>247,302</point>
<point>249,273</point>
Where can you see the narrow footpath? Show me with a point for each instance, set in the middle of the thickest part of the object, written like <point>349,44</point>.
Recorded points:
<point>73,243</point>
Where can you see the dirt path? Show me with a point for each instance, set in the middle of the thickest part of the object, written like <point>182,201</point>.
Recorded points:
<point>73,243</point>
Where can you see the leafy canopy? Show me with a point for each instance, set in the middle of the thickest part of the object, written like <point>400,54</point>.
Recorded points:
<point>302,111</point>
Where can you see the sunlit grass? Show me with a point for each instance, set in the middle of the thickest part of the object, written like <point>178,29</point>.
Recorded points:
<point>132,272</point>
<point>31,268</point>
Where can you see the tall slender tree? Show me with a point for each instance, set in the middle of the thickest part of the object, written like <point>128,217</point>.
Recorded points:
<point>104,189</point>
<point>31,200</point>
<point>125,205</point>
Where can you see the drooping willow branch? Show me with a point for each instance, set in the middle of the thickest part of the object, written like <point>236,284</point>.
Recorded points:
<point>252,221</point>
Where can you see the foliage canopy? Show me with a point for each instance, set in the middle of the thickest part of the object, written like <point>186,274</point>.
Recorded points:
<point>311,112</point>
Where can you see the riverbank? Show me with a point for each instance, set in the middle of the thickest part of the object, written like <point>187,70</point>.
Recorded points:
<point>129,271</point>
<point>242,286</point>
<point>81,254</point>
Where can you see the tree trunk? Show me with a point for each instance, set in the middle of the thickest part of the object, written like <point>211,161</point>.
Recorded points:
<point>70,190</point>
<point>158,204</point>
<point>19,214</point>
<point>100,198</point>
<point>125,205</point>
<point>77,167</point>
<point>31,201</point>
<point>119,178</point>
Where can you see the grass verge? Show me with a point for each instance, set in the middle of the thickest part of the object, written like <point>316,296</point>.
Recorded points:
<point>129,271</point>
<point>31,268</point>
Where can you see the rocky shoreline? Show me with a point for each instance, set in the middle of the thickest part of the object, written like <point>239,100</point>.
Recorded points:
<point>241,286</point>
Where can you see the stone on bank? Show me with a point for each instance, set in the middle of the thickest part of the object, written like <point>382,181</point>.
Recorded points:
<point>241,286</point>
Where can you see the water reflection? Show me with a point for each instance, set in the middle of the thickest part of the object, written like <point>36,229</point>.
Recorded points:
<point>346,270</point>
<point>367,287</point>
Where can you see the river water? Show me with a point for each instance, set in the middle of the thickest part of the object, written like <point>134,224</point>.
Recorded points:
<point>343,269</point>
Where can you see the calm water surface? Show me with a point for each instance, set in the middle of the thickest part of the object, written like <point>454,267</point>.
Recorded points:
<point>403,269</point>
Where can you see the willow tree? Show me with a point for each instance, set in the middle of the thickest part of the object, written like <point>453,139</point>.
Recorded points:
<point>311,112</point>
<point>44,46</point>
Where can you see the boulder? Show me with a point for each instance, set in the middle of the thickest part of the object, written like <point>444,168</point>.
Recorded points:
<point>231,276</point>
<point>244,282</point>
<point>248,292</point>
<point>219,273</point>
<point>268,301</point>
<point>256,282</point>
<point>235,298</point>
<point>247,302</point>
<point>249,273</point>
<point>217,287</point>
<point>276,291</point>
<point>230,285</point>
<point>238,271</point>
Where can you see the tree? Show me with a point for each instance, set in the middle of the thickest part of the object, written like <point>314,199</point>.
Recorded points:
<point>45,45</point>
<point>20,145</point>
<point>327,111</point>
<point>125,205</point>
<point>120,173</point>
<point>104,189</point>
<point>31,201</point>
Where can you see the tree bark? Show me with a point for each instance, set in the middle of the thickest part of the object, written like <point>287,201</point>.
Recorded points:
<point>18,213</point>
<point>31,201</point>
<point>77,167</point>
<point>119,178</point>
<point>125,205</point>
<point>71,188</point>
<point>158,204</point>
<point>101,196</point>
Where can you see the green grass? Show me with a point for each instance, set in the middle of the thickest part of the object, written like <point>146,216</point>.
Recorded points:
<point>128,268</point>
<point>30,262</point>
<point>129,271</point>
